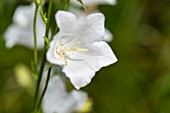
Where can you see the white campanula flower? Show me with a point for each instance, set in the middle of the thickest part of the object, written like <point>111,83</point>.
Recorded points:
<point>21,31</point>
<point>58,100</point>
<point>94,2</point>
<point>79,47</point>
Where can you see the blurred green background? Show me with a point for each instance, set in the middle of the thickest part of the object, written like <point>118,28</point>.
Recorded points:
<point>138,83</point>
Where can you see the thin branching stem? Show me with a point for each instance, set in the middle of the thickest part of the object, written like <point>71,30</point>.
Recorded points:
<point>44,55</point>
<point>45,88</point>
<point>35,40</point>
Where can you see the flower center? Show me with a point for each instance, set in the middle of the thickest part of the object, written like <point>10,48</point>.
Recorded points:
<point>64,52</point>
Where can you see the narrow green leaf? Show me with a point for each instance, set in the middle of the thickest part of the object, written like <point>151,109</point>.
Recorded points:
<point>80,1</point>
<point>48,67</point>
<point>46,40</point>
<point>43,16</point>
<point>66,5</point>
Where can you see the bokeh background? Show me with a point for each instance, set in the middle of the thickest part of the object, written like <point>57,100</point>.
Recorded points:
<point>138,83</point>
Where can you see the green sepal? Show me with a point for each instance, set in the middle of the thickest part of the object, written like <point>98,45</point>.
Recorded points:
<point>43,16</point>
<point>48,67</point>
<point>66,5</point>
<point>80,1</point>
<point>38,2</point>
<point>47,40</point>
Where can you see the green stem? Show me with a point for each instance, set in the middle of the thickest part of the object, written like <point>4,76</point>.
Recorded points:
<point>66,5</point>
<point>39,78</point>
<point>45,88</point>
<point>49,18</point>
<point>35,39</point>
<point>44,55</point>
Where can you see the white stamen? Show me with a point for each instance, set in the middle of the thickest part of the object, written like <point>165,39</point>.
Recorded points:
<point>64,52</point>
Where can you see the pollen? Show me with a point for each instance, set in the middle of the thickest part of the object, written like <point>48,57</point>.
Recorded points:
<point>65,52</point>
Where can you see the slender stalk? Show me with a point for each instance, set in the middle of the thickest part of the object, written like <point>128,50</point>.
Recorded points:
<point>45,88</point>
<point>66,5</point>
<point>39,79</point>
<point>44,54</point>
<point>49,18</point>
<point>35,39</point>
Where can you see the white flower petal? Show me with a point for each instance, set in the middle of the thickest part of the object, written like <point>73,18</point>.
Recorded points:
<point>21,31</point>
<point>14,32</point>
<point>51,54</point>
<point>95,2</point>
<point>92,28</point>
<point>66,21</point>
<point>16,35</point>
<point>89,28</point>
<point>80,97</point>
<point>99,55</point>
<point>57,99</point>
<point>81,72</point>
<point>54,95</point>
<point>108,36</point>
<point>22,15</point>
